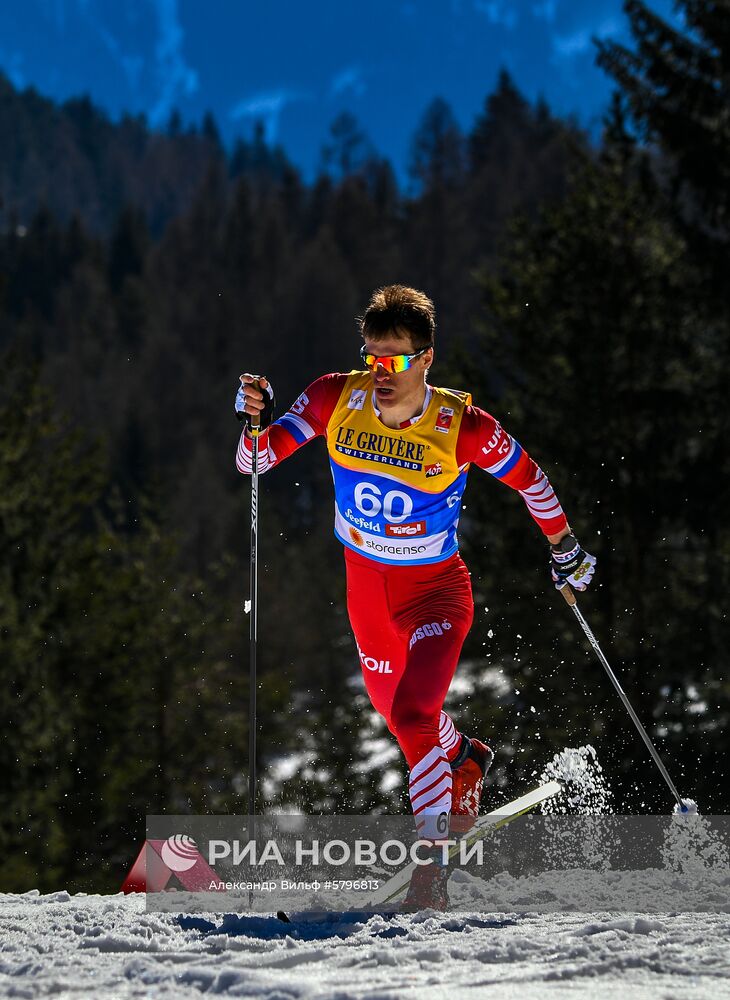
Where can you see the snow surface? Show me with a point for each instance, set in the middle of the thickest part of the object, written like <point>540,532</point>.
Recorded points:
<point>641,942</point>
<point>108,946</point>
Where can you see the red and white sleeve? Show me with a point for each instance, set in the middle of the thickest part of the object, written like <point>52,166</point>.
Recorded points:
<point>306,419</point>
<point>483,441</point>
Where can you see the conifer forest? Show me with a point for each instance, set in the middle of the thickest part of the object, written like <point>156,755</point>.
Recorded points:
<point>581,290</point>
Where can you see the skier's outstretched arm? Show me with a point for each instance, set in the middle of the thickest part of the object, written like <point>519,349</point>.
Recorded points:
<point>484,442</point>
<point>306,419</point>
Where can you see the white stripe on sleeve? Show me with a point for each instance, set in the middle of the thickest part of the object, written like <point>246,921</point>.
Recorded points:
<point>266,456</point>
<point>300,423</point>
<point>494,469</point>
<point>540,498</point>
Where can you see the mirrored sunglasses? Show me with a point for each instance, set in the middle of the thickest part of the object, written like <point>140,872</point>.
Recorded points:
<point>393,363</point>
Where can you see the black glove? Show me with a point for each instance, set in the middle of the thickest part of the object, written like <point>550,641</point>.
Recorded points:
<point>570,564</point>
<point>267,414</point>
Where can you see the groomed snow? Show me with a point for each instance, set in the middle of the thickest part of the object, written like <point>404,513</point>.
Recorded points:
<point>108,946</point>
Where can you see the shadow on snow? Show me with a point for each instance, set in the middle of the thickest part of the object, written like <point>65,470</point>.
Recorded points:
<point>321,926</point>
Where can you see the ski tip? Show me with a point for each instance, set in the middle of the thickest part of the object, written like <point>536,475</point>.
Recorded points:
<point>526,801</point>
<point>283,917</point>
<point>553,787</point>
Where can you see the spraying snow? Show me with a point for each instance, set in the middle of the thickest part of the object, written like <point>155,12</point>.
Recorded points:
<point>586,789</point>
<point>689,807</point>
<point>692,846</point>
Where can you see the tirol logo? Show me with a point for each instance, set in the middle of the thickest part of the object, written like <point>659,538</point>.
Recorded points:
<point>433,470</point>
<point>357,399</point>
<point>180,853</point>
<point>444,418</point>
<point>356,537</point>
<point>406,530</point>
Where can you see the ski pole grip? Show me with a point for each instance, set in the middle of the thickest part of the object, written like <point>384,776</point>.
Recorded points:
<point>567,591</point>
<point>256,417</point>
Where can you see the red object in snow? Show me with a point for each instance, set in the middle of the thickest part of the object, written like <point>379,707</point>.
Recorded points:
<point>150,873</point>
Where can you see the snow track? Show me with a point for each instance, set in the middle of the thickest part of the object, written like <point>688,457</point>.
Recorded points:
<point>109,947</point>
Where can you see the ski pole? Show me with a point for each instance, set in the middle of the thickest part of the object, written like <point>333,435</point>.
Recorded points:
<point>567,592</point>
<point>253,589</point>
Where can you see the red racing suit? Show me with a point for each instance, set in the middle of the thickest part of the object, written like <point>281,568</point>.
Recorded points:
<point>397,502</point>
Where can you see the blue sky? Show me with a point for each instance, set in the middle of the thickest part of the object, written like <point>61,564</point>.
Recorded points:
<point>297,65</point>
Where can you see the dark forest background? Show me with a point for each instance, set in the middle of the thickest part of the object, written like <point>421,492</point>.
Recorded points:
<point>581,292</point>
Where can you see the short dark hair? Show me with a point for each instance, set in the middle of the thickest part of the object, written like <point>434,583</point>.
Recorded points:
<point>398,309</point>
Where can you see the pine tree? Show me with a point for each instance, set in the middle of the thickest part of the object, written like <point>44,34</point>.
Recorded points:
<point>349,148</point>
<point>437,149</point>
<point>599,355</point>
<point>118,696</point>
<point>678,88</point>
<point>436,233</point>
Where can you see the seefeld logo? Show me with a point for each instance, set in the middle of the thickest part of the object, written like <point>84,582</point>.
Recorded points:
<point>180,853</point>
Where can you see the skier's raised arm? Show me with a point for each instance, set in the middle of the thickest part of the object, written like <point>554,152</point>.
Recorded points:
<point>484,442</point>
<point>306,418</point>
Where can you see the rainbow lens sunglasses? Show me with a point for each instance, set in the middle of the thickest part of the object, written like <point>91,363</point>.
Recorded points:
<point>393,363</point>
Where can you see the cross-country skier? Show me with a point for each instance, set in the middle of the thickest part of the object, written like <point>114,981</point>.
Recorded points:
<point>400,450</point>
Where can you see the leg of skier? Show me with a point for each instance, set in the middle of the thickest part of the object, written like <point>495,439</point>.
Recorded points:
<point>416,618</point>
<point>383,646</point>
<point>434,613</point>
<point>380,648</point>
<point>410,624</point>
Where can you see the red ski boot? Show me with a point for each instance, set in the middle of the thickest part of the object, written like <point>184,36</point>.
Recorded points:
<point>428,889</point>
<point>468,770</point>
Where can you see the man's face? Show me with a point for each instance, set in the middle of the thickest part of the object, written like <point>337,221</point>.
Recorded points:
<point>399,389</point>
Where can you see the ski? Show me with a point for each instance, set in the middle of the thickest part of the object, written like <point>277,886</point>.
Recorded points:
<point>486,824</point>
